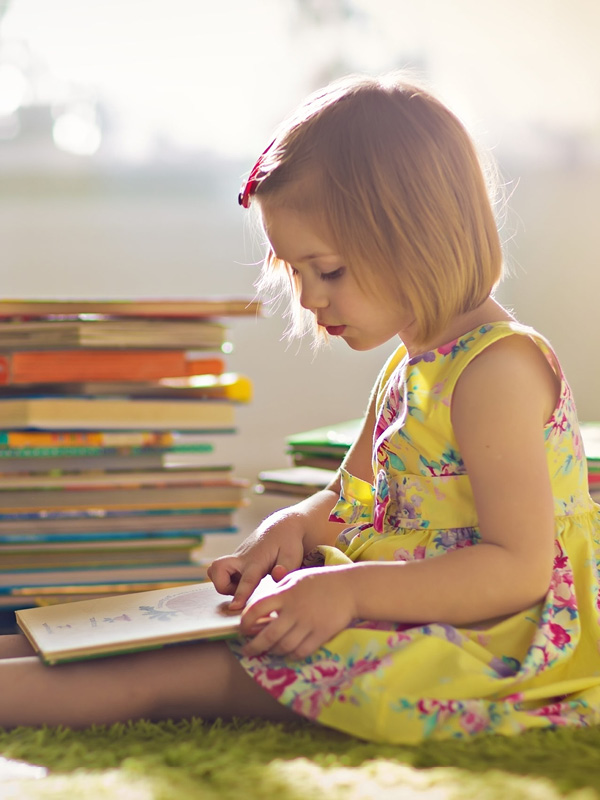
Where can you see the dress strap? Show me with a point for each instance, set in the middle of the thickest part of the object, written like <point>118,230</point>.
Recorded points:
<point>475,342</point>
<point>398,358</point>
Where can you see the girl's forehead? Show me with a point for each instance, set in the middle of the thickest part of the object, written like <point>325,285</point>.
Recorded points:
<point>293,235</point>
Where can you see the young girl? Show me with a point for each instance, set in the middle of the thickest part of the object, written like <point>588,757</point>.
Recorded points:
<point>446,582</point>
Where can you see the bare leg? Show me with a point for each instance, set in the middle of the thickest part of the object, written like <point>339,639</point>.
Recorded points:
<point>201,679</point>
<point>14,645</point>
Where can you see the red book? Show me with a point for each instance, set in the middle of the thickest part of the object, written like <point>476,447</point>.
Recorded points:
<point>77,366</point>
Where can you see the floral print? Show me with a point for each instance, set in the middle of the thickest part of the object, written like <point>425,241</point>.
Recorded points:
<point>403,683</point>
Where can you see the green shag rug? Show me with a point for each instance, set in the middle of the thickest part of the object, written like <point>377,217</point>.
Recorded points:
<point>251,759</point>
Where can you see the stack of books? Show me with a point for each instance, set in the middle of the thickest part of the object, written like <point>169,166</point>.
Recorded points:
<point>590,434</point>
<point>110,413</point>
<point>315,455</point>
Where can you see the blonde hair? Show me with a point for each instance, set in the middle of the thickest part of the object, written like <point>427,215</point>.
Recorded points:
<point>394,182</point>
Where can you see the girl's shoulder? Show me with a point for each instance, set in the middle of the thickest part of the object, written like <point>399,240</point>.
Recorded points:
<point>445,364</point>
<point>505,335</point>
<point>503,359</point>
<point>514,358</point>
<point>456,355</point>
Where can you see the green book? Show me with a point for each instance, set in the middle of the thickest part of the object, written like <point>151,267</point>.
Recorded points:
<point>335,438</point>
<point>302,481</point>
<point>590,434</point>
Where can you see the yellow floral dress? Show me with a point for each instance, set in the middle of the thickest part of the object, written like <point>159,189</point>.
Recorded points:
<point>399,683</point>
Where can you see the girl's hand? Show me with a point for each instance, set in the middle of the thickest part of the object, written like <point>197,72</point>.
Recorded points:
<point>275,551</point>
<point>308,608</point>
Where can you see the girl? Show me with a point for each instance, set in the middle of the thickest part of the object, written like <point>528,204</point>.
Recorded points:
<point>460,592</point>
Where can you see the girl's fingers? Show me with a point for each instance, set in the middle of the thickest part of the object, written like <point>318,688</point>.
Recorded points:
<point>279,572</point>
<point>306,647</point>
<point>293,643</point>
<point>224,573</point>
<point>259,610</point>
<point>287,561</point>
<point>273,638</point>
<point>247,583</point>
<point>229,576</point>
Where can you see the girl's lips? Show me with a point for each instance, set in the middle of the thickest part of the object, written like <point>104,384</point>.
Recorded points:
<point>335,330</point>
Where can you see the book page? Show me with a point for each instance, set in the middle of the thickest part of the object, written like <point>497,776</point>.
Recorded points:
<point>126,622</point>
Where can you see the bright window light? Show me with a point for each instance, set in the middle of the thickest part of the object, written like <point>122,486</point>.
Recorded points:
<point>76,131</point>
<point>13,88</point>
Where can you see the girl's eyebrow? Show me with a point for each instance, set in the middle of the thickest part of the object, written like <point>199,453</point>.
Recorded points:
<point>308,257</point>
<point>314,256</point>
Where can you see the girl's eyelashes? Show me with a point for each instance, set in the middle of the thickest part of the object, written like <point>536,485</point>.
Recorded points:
<point>333,275</point>
<point>324,276</point>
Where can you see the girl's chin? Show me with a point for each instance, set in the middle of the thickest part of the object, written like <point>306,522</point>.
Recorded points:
<point>359,344</point>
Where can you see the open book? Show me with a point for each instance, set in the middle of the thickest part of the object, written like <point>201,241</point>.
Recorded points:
<point>128,623</point>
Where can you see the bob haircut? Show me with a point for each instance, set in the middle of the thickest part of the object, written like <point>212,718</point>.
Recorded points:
<point>392,180</point>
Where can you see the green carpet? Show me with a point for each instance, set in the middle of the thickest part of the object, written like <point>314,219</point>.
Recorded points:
<point>250,759</point>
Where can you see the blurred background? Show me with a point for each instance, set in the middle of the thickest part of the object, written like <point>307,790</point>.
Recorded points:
<point>126,128</point>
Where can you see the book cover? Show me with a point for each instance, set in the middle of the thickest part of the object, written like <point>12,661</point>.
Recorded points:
<point>64,366</point>
<point>20,579</point>
<point>118,479</point>
<point>101,523</point>
<point>330,439</point>
<point>54,595</point>
<point>229,386</point>
<point>590,434</point>
<point>99,333</point>
<point>27,556</point>
<point>13,462</point>
<point>132,441</point>
<point>143,307</point>
<point>62,515</point>
<point>42,501</point>
<point>126,623</point>
<point>64,536</point>
<point>312,460</point>
<point>296,480</point>
<point>92,413</point>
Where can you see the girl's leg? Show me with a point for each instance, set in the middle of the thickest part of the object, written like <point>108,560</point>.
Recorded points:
<point>200,679</point>
<point>14,645</point>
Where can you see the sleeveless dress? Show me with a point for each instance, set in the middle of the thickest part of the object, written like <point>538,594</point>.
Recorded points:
<point>399,683</point>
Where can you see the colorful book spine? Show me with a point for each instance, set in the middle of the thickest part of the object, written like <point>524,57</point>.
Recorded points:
<point>107,410</point>
<point>177,308</point>
<point>110,439</point>
<point>49,452</point>
<point>99,536</point>
<point>65,366</point>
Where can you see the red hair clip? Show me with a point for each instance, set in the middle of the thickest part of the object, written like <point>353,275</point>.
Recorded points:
<point>253,180</point>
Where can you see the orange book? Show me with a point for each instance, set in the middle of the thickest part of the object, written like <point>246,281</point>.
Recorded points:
<point>201,366</point>
<point>68,366</point>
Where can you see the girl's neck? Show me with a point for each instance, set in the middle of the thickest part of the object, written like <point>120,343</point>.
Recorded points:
<point>488,311</point>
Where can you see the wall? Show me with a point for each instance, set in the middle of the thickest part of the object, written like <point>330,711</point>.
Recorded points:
<point>155,236</point>
<point>555,263</point>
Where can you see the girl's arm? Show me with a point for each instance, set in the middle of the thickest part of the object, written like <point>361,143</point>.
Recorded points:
<point>499,408</point>
<point>280,543</point>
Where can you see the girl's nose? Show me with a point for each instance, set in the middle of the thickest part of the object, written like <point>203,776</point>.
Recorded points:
<point>312,296</point>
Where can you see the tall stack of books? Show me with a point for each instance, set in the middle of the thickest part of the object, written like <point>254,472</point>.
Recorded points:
<point>110,418</point>
<point>315,457</point>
